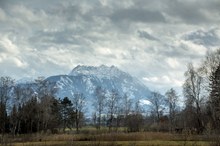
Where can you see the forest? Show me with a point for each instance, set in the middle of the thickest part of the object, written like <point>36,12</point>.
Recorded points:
<point>34,109</point>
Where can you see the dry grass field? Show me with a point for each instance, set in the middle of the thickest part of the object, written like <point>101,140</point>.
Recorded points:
<point>95,138</point>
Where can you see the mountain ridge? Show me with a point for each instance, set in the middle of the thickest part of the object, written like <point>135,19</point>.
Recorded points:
<point>85,79</point>
<point>101,71</point>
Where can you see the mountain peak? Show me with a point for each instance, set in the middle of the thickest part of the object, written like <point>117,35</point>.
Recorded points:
<point>101,71</point>
<point>85,79</point>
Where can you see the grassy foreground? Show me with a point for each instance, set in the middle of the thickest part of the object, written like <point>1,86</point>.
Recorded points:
<point>103,138</point>
<point>118,143</point>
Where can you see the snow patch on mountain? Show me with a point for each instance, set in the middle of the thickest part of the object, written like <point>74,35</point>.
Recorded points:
<point>84,79</point>
<point>99,72</point>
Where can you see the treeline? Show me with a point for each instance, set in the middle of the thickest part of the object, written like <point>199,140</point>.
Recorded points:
<point>201,92</point>
<point>33,107</point>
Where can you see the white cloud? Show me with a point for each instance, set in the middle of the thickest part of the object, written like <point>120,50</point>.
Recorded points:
<point>163,83</point>
<point>7,45</point>
<point>104,51</point>
<point>173,62</point>
<point>23,12</point>
<point>142,37</point>
<point>151,79</point>
<point>19,63</point>
<point>197,49</point>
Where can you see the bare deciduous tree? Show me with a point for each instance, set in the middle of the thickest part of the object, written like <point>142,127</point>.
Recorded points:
<point>211,62</point>
<point>157,106</point>
<point>126,108</point>
<point>172,99</point>
<point>126,104</point>
<point>135,119</point>
<point>112,108</point>
<point>99,103</point>
<point>192,90</point>
<point>78,105</point>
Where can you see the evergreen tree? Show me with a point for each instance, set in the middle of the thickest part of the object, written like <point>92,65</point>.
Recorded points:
<point>215,98</point>
<point>6,84</point>
<point>66,112</point>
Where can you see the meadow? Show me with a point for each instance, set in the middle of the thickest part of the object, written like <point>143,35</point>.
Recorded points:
<point>93,137</point>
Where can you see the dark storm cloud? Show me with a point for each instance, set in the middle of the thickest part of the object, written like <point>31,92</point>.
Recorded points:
<point>137,15</point>
<point>192,12</point>
<point>187,12</point>
<point>56,37</point>
<point>69,13</point>
<point>201,37</point>
<point>182,51</point>
<point>146,35</point>
<point>213,5</point>
<point>39,4</point>
<point>171,51</point>
<point>67,37</point>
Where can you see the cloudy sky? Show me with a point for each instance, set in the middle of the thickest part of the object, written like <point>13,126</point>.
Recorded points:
<point>150,39</point>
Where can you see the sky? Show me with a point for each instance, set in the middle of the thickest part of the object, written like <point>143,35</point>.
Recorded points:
<point>153,40</point>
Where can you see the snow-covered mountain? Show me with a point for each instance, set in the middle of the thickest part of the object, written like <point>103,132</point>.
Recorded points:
<point>85,79</point>
<point>100,72</point>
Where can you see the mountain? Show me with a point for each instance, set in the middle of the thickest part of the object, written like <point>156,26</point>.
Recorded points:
<point>100,72</point>
<point>85,79</point>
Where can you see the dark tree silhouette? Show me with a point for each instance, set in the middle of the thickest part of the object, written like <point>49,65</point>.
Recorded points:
<point>214,99</point>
